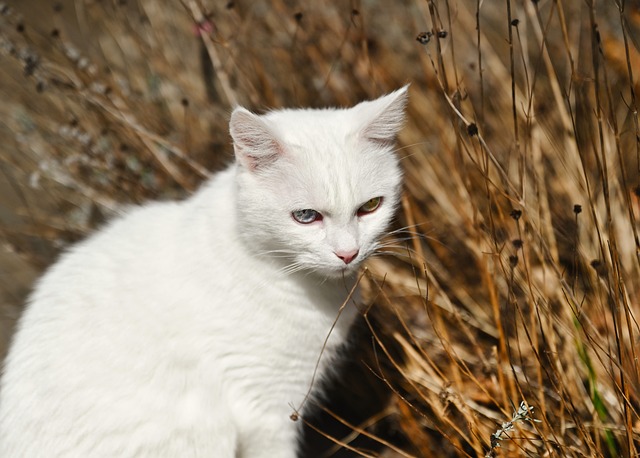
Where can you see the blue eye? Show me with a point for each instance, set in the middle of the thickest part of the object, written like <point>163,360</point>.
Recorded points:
<point>306,216</point>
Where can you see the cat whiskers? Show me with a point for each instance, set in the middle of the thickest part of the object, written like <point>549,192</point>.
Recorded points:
<point>288,257</point>
<point>279,253</point>
<point>293,268</point>
<point>410,235</point>
<point>398,251</point>
<point>396,243</point>
<point>409,232</point>
<point>403,147</point>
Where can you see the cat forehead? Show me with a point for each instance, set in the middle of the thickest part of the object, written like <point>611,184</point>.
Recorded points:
<point>331,177</point>
<point>328,163</point>
<point>298,126</point>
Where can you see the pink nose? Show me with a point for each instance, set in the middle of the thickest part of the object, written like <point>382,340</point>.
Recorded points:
<point>347,256</point>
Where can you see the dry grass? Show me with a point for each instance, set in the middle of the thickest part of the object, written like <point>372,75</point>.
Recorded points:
<point>516,291</point>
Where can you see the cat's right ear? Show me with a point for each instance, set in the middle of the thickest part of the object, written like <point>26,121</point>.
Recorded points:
<point>256,146</point>
<point>381,119</point>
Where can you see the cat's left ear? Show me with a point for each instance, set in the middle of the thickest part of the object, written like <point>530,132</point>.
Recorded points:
<point>256,145</point>
<point>382,119</point>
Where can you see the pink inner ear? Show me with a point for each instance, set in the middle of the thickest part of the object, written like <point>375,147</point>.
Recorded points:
<point>385,118</point>
<point>256,145</point>
<point>383,130</point>
<point>262,153</point>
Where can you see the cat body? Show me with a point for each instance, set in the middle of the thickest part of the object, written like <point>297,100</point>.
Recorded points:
<point>194,328</point>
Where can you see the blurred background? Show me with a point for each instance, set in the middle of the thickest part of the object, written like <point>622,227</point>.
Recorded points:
<point>502,319</point>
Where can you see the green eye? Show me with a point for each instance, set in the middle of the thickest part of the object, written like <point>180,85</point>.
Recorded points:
<point>370,206</point>
<point>306,216</point>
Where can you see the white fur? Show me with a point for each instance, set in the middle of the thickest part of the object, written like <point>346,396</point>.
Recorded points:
<point>193,328</point>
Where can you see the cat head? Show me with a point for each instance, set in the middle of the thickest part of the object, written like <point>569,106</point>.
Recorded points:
<point>317,188</point>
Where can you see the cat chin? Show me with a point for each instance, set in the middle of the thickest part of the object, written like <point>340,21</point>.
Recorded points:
<point>340,272</point>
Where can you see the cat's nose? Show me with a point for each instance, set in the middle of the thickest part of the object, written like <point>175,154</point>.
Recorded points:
<point>347,256</point>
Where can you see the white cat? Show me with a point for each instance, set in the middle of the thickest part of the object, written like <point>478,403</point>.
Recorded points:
<point>193,329</point>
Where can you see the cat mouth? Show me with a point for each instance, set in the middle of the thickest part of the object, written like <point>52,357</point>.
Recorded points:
<point>346,270</point>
